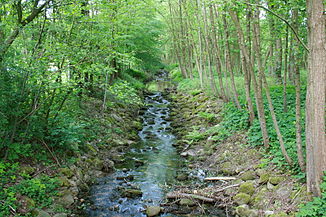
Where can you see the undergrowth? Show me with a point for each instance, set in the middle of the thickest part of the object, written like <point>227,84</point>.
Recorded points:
<point>316,207</point>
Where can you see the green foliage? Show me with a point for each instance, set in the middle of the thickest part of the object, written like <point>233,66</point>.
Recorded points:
<point>196,135</point>
<point>316,207</point>
<point>235,119</point>
<point>39,189</point>
<point>210,117</point>
<point>7,173</point>
<point>176,75</point>
<point>287,126</point>
<point>124,92</point>
<point>14,185</point>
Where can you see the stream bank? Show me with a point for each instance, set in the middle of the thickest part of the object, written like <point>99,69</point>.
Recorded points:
<point>243,182</point>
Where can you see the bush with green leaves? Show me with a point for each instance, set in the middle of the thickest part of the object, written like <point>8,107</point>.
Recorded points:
<point>125,92</point>
<point>14,185</point>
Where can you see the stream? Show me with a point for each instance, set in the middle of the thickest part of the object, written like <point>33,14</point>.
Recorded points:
<point>149,167</point>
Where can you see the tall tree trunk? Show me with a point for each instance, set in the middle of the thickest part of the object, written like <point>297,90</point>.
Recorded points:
<point>257,85</point>
<point>228,62</point>
<point>210,55</point>
<point>176,43</point>
<point>217,54</point>
<point>269,99</point>
<point>316,91</point>
<point>297,95</point>
<point>285,106</point>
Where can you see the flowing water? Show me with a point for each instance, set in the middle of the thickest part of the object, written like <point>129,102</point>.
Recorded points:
<point>149,167</point>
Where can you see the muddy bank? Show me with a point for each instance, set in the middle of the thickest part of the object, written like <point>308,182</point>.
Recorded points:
<point>238,179</point>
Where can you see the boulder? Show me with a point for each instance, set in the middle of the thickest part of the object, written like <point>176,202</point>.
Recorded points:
<point>249,175</point>
<point>153,211</point>
<point>227,168</point>
<point>244,211</point>
<point>247,187</point>
<point>66,172</point>
<point>40,213</point>
<point>275,180</point>
<point>131,193</point>
<point>66,200</point>
<point>264,177</point>
<point>28,170</point>
<point>241,198</point>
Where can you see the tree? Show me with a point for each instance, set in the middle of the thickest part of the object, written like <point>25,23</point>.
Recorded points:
<point>316,95</point>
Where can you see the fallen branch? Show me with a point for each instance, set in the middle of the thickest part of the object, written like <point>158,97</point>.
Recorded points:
<point>227,187</point>
<point>174,195</point>
<point>219,178</point>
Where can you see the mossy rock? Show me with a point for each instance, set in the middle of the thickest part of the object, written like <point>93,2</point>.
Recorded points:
<point>241,198</point>
<point>66,172</point>
<point>40,213</point>
<point>64,181</point>
<point>280,214</point>
<point>244,211</point>
<point>132,193</point>
<point>260,200</point>
<point>28,170</point>
<point>227,168</point>
<point>153,211</point>
<point>247,187</point>
<point>264,177</point>
<point>137,125</point>
<point>275,180</point>
<point>249,175</point>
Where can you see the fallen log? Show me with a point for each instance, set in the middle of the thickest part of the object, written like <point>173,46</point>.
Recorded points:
<point>219,178</point>
<point>176,195</point>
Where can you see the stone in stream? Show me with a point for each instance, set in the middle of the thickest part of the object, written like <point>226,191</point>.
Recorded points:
<point>131,193</point>
<point>153,211</point>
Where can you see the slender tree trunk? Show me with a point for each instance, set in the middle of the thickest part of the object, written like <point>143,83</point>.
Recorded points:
<point>257,85</point>
<point>176,43</point>
<point>218,62</point>
<point>210,55</point>
<point>269,99</point>
<point>316,91</point>
<point>298,95</point>
<point>285,106</point>
<point>228,62</point>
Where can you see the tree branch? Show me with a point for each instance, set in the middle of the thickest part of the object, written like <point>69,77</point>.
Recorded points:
<point>21,23</point>
<point>284,20</point>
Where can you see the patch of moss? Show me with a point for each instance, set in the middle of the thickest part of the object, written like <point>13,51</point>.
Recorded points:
<point>275,180</point>
<point>247,187</point>
<point>241,198</point>
<point>264,177</point>
<point>227,168</point>
<point>249,175</point>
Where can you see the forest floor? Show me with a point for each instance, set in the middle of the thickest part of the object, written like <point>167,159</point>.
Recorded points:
<point>243,183</point>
